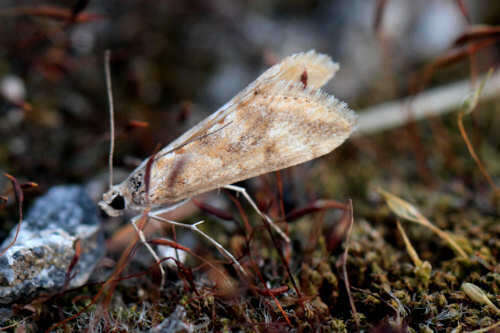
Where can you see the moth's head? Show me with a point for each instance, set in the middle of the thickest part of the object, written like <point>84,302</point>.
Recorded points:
<point>113,202</point>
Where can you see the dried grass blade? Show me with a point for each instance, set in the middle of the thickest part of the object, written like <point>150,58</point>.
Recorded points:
<point>409,248</point>
<point>468,107</point>
<point>344,267</point>
<point>407,211</point>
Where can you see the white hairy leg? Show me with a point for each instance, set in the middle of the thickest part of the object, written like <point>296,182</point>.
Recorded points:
<point>143,240</point>
<point>194,227</point>
<point>243,192</point>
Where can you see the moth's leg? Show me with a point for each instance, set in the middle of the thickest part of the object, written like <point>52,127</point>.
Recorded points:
<point>143,240</point>
<point>165,210</point>
<point>243,191</point>
<point>194,227</point>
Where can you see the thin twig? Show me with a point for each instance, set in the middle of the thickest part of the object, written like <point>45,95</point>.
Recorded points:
<point>468,107</point>
<point>109,89</point>
<point>409,247</point>
<point>429,103</point>
<point>284,261</point>
<point>344,268</point>
<point>18,192</point>
<point>472,152</point>
<point>261,278</point>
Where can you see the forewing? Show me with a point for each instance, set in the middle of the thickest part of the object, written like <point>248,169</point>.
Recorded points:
<point>310,68</point>
<point>283,125</point>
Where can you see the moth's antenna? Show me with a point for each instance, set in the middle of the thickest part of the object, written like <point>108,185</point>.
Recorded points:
<point>109,90</point>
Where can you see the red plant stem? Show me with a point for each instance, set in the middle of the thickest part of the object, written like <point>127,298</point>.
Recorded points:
<point>19,199</point>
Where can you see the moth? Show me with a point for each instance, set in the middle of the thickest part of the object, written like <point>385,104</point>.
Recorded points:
<point>280,120</point>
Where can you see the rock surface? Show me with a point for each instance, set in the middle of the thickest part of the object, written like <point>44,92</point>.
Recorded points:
<point>39,260</point>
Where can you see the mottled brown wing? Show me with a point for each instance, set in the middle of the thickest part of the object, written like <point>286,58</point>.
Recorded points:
<point>277,121</point>
<point>311,68</point>
<point>269,129</point>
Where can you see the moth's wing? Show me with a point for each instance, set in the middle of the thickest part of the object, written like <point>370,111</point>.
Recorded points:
<point>319,69</point>
<point>311,68</point>
<point>274,129</point>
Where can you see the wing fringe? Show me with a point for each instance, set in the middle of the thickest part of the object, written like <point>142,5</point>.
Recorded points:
<point>316,97</point>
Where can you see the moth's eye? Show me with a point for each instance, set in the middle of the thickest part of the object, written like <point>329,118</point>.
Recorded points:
<point>118,203</point>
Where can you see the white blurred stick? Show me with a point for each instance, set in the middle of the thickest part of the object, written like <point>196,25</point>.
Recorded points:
<point>429,103</point>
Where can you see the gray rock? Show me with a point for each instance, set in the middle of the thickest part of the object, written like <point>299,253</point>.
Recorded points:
<point>37,263</point>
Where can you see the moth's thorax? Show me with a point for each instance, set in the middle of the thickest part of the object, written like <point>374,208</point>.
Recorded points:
<point>134,189</point>
<point>135,185</point>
